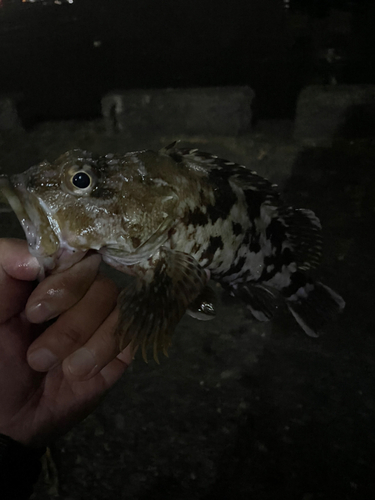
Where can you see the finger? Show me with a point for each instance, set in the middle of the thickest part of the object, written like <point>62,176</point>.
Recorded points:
<point>105,379</point>
<point>74,327</point>
<point>17,269</point>
<point>113,371</point>
<point>58,292</point>
<point>99,350</point>
<point>16,261</point>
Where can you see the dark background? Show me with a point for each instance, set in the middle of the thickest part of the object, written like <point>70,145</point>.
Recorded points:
<point>241,409</point>
<point>63,57</point>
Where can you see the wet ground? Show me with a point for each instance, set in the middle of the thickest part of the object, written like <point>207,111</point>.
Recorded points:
<point>240,409</point>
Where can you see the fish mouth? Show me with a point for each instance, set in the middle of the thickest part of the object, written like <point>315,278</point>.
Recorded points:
<point>43,242</point>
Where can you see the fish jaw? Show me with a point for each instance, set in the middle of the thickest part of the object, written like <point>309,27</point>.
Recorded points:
<point>51,253</point>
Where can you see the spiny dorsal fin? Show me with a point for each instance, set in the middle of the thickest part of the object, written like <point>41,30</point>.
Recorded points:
<point>168,149</point>
<point>257,189</point>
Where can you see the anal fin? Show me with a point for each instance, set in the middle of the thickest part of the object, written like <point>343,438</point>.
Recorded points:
<point>262,301</point>
<point>313,306</point>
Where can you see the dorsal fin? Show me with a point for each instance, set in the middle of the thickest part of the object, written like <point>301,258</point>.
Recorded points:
<point>221,171</point>
<point>303,232</point>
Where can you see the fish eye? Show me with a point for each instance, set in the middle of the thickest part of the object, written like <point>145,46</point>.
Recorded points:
<point>81,180</point>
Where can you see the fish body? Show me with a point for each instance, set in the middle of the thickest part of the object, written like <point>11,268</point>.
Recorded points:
<point>175,219</point>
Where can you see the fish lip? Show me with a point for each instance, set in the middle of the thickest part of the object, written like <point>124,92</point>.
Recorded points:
<point>32,218</point>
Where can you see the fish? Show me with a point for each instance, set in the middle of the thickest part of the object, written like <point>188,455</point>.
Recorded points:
<point>175,220</point>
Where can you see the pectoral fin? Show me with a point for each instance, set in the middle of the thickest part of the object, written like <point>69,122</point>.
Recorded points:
<point>203,307</point>
<point>152,305</point>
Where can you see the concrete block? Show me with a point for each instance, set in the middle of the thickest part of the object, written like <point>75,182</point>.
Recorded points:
<point>207,111</point>
<point>325,113</point>
<point>9,118</point>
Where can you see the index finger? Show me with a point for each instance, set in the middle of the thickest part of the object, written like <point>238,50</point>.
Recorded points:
<point>60,291</point>
<point>17,269</point>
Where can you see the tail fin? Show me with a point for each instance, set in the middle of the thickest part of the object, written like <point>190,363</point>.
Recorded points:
<point>313,306</point>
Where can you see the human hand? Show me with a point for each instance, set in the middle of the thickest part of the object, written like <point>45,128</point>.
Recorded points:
<point>52,375</point>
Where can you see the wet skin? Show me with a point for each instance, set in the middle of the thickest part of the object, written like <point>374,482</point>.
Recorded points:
<point>52,374</point>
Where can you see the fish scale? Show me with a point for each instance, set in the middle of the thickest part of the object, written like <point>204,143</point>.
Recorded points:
<point>174,219</point>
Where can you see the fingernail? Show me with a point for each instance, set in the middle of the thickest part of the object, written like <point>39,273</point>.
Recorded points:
<point>39,313</point>
<point>33,265</point>
<point>81,362</point>
<point>42,359</point>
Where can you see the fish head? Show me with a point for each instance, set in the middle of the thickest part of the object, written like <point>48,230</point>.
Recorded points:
<point>83,202</point>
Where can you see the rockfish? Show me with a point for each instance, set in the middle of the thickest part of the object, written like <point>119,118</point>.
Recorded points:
<point>175,219</point>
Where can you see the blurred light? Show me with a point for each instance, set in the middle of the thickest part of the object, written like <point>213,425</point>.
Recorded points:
<point>46,2</point>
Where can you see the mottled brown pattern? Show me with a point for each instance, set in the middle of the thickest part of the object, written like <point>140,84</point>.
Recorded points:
<point>166,218</point>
